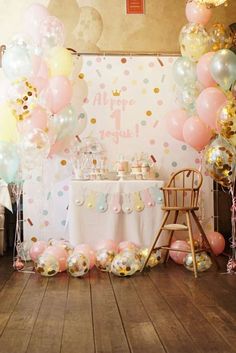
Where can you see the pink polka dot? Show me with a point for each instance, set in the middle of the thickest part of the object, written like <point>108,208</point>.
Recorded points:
<point>170,60</point>
<point>30,200</point>
<point>197,160</point>
<point>126,72</point>
<point>152,142</point>
<point>86,100</point>
<point>66,150</point>
<point>160,102</point>
<point>65,187</point>
<point>151,64</point>
<point>165,144</point>
<point>46,223</point>
<point>98,59</point>
<point>102,85</point>
<point>124,88</point>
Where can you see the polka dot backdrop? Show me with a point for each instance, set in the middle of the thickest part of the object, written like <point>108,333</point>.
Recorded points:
<point>126,104</point>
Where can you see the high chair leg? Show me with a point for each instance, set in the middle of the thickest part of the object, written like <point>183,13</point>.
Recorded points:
<point>190,233</point>
<point>166,215</point>
<point>170,237</point>
<point>213,256</point>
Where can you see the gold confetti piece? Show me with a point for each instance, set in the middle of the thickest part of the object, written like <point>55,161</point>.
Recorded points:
<point>34,239</point>
<point>81,76</point>
<point>148,113</point>
<point>93,121</point>
<point>156,90</point>
<point>63,162</point>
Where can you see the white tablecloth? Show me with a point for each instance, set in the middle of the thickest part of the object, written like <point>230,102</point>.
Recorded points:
<point>88,225</point>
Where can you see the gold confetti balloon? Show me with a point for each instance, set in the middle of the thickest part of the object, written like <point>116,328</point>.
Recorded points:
<point>220,161</point>
<point>104,258</point>
<point>78,265</point>
<point>47,265</point>
<point>126,263</point>
<point>23,99</point>
<point>220,37</point>
<point>211,3</point>
<point>227,121</point>
<point>154,259</point>
<point>202,259</point>
<point>194,41</point>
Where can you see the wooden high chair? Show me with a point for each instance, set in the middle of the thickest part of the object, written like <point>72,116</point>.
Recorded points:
<point>181,196</point>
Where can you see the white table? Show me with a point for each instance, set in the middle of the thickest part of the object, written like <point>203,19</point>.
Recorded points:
<point>89,225</point>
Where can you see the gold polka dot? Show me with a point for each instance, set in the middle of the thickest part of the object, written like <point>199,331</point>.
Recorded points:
<point>94,162</point>
<point>93,121</point>
<point>156,90</point>
<point>81,76</point>
<point>148,113</point>
<point>34,239</point>
<point>63,162</point>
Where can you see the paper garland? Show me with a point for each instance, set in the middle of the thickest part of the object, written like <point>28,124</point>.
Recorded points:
<point>119,202</point>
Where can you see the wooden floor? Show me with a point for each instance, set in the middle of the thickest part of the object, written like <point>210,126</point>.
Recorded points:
<point>164,310</point>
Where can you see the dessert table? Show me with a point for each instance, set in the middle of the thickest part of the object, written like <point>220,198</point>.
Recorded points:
<point>118,210</point>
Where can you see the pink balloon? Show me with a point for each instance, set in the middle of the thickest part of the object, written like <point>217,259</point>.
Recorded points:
<point>40,73</point>
<point>203,70</point>
<point>208,103</point>
<point>39,118</point>
<point>37,249</point>
<point>87,251</point>
<point>178,256</point>
<point>197,13</point>
<point>60,254</point>
<point>33,17</point>
<point>217,242</point>
<point>127,245</point>
<point>174,123</point>
<point>58,93</point>
<point>107,244</point>
<point>196,133</point>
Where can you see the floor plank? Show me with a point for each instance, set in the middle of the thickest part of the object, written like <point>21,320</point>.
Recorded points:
<point>139,329</point>
<point>78,325</point>
<point>47,332</point>
<point>16,335</point>
<point>109,333</point>
<point>196,324</point>
<point>170,330</point>
<point>9,296</point>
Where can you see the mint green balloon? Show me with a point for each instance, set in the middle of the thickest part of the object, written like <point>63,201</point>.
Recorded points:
<point>63,124</point>
<point>9,162</point>
<point>223,68</point>
<point>184,71</point>
<point>16,62</point>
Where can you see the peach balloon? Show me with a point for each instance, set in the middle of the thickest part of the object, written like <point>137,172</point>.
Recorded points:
<point>37,249</point>
<point>107,244</point>
<point>127,245</point>
<point>196,133</point>
<point>40,73</point>
<point>60,254</point>
<point>87,250</point>
<point>179,256</point>
<point>58,93</point>
<point>217,242</point>
<point>175,120</point>
<point>203,70</point>
<point>207,105</point>
<point>197,13</point>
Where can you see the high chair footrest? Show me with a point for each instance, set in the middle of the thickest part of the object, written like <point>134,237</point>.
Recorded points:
<point>175,227</point>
